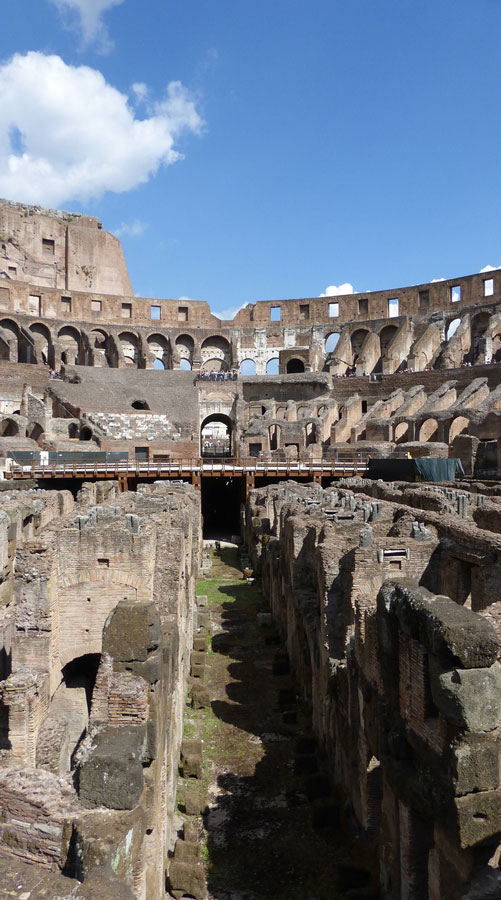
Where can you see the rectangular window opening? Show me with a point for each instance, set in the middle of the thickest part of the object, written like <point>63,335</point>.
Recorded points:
<point>13,270</point>
<point>182,314</point>
<point>304,311</point>
<point>66,304</point>
<point>393,307</point>
<point>155,312</point>
<point>126,310</point>
<point>455,293</point>
<point>275,313</point>
<point>48,246</point>
<point>34,304</point>
<point>104,562</point>
<point>488,287</point>
<point>424,299</point>
<point>333,310</point>
<point>96,306</point>
<point>363,307</point>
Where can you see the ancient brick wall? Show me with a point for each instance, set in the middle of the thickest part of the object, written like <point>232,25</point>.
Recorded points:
<point>404,685</point>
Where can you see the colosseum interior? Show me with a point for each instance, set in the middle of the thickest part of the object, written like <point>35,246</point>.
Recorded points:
<point>347,452</point>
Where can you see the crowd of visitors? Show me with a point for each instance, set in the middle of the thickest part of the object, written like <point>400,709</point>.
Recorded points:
<point>230,375</point>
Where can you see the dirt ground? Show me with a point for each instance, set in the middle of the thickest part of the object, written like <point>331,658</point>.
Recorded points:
<point>272,829</point>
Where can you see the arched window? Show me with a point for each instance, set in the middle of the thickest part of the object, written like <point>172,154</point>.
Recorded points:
<point>247,367</point>
<point>272,366</point>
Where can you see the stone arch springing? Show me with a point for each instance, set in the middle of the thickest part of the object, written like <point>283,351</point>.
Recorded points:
<point>294,366</point>
<point>9,428</point>
<point>247,367</point>
<point>400,433</point>
<point>159,347</point>
<point>9,340</point>
<point>452,327</point>
<point>272,366</point>
<point>459,425</point>
<point>213,348</point>
<point>42,338</point>
<point>479,326</point>
<point>129,343</point>
<point>428,430</point>
<point>386,336</point>
<point>216,436</point>
<point>70,341</point>
<point>357,341</point>
<point>185,346</point>
<point>331,341</point>
<point>274,435</point>
<point>99,345</point>
<point>214,364</point>
<point>35,431</point>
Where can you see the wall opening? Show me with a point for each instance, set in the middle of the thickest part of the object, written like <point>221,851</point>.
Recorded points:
<point>294,366</point>
<point>82,672</point>
<point>247,367</point>
<point>215,436</point>
<point>221,498</point>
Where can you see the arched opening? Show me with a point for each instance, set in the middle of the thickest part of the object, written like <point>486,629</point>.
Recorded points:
<point>331,342</point>
<point>9,428</point>
<point>158,345</point>
<point>215,436</point>
<point>294,366</point>
<point>99,348</point>
<point>479,326</point>
<point>272,366</point>
<point>140,404</point>
<point>357,341</point>
<point>81,672</point>
<point>401,431</point>
<point>73,431</point>
<point>184,350</point>
<point>452,328</point>
<point>428,430</point>
<point>247,367</point>
<point>274,433</point>
<point>459,425</point>
<point>35,432</point>
<point>43,342</point>
<point>185,365</point>
<point>9,334</point>
<point>216,348</point>
<point>310,434</point>
<point>85,433</point>
<point>386,336</point>
<point>69,341</point>
<point>129,343</point>
<point>214,365</point>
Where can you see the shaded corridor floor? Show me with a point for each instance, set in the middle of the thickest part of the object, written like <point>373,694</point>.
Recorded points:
<point>265,783</point>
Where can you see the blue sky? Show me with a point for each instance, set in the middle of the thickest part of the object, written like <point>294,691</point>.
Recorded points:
<point>300,146</point>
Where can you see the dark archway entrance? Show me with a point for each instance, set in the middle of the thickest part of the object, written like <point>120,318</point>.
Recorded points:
<point>294,366</point>
<point>221,499</point>
<point>215,436</point>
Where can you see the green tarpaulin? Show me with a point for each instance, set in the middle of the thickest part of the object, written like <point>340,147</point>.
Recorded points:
<point>422,469</point>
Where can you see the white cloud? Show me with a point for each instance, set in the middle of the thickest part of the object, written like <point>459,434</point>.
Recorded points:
<point>490,268</point>
<point>338,290</point>
<point>435,280</point>
<point>131,229</point>
<point>89,19</point>
<point>66,134</point>
<point>140,91</point>
<point>229,313</point>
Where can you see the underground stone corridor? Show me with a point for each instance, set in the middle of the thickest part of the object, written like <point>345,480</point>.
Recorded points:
<point>269,827</point>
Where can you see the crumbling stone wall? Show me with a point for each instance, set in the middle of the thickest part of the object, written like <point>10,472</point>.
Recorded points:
<point>404,681</point>
<point>98,622</point>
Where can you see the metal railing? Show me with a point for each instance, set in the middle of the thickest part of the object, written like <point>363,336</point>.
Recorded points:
<point>187,467</point>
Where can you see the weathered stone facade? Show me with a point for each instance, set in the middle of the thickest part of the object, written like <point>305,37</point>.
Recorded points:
<point>404,682</point>
<point>97,617</point>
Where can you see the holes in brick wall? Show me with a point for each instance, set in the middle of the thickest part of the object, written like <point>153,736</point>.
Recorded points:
<point>393,307</point>
<point>455,293</point>
<point>333,310</point>
<point>275,314</point>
